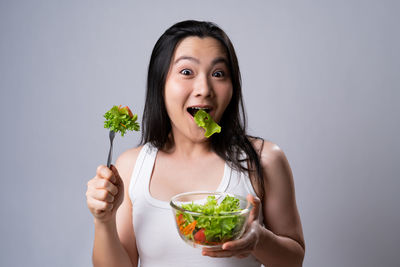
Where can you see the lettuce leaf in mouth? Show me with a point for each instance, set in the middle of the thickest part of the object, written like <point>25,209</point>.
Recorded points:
<point>204,120</point>
<point>121,120</point>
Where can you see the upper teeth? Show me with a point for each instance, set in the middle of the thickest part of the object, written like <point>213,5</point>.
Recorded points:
<point>194,110</point>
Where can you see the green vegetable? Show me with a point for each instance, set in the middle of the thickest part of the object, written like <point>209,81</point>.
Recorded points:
<point>216,226</point>
<point>121,120</point>
<point>204,120</point>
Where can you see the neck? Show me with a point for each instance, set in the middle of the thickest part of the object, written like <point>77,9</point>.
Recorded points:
<point>189,149</point>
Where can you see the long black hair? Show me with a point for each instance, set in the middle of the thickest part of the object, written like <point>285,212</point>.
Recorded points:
<point>156,125</point>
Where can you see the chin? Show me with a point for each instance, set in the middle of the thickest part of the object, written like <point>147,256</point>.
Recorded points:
<point>199,138</point>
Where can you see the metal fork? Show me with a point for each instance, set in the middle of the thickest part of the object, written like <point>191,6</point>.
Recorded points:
<point>111,135</point>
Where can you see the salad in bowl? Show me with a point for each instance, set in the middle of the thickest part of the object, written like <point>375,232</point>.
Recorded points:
<point>209,219</point>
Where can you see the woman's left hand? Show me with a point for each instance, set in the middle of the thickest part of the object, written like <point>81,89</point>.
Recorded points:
<point>242,247</point>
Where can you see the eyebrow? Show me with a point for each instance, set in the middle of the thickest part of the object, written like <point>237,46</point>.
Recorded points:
<point>187,58</point>
<point>220,60</point>
<point>214,62</point>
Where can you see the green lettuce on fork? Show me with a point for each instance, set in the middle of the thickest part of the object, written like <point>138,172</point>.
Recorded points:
<point>120,119</point>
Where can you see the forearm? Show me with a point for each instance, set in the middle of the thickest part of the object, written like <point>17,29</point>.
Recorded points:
<point>107,249</point>
<point>273,250</point>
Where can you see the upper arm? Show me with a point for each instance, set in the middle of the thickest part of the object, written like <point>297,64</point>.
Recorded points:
<point>125,164</point>
<point>279,203</point>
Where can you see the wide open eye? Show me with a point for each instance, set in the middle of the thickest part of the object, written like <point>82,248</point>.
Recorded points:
<point>186,72</point>
<point>218,74</point>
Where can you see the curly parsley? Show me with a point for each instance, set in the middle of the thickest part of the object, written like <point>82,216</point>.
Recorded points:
<point>121,120</point>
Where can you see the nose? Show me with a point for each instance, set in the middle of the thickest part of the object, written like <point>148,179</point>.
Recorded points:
<point>203,86</point>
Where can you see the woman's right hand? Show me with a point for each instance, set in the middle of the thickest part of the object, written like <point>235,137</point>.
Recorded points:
<point>105,193</point>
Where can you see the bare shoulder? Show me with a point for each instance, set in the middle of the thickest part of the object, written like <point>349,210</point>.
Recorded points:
<point>271,155</point>
<point>129,154</point>
<point>278,176</point>
<point>126,162</point>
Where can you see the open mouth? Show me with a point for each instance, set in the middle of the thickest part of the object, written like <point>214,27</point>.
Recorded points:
<point>193,110</point>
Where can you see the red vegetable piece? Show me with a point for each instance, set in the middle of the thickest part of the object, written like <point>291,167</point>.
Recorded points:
<point>127,109</point>
<point>200,236</point>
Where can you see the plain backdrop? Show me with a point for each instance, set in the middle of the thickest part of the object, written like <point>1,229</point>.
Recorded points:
<point>320,79</point>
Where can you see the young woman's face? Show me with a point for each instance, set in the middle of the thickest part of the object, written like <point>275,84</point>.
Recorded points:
<point>198,77</point>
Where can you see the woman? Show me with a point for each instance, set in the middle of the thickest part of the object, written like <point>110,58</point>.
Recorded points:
<point>194,66</point>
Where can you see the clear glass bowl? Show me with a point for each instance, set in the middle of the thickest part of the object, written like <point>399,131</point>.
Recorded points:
<point>206,227</point>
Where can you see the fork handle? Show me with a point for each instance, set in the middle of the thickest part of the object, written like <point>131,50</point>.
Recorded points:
<point>109,155</point>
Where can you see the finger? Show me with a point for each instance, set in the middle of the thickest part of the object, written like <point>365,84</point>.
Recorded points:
<point>97,206</point>
<point>217,254</point>
<point>247,241</point>
<point>240,244</point>
<point>99,183</point>
<point>117,177</point>
<point>254,213</point>
<point>101,194</point>
<point>224,253</point>
<point>243,255</point>
<point>105,173</point>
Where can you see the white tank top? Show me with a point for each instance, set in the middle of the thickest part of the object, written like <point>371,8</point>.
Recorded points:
<point>157,239</point>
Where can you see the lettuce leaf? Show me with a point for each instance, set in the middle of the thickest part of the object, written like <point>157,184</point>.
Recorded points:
<point>204,120</point>
<point>121,120</point>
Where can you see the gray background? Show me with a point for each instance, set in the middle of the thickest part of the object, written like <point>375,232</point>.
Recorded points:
<point>320,79</point>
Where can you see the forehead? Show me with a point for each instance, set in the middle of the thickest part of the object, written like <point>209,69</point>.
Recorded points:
<point>200,47</point>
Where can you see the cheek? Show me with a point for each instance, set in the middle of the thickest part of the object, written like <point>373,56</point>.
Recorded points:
<point>227,96</point>
<point>174,95</point>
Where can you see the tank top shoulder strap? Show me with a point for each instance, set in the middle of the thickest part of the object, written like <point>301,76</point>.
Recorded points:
<point>144,163</point>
